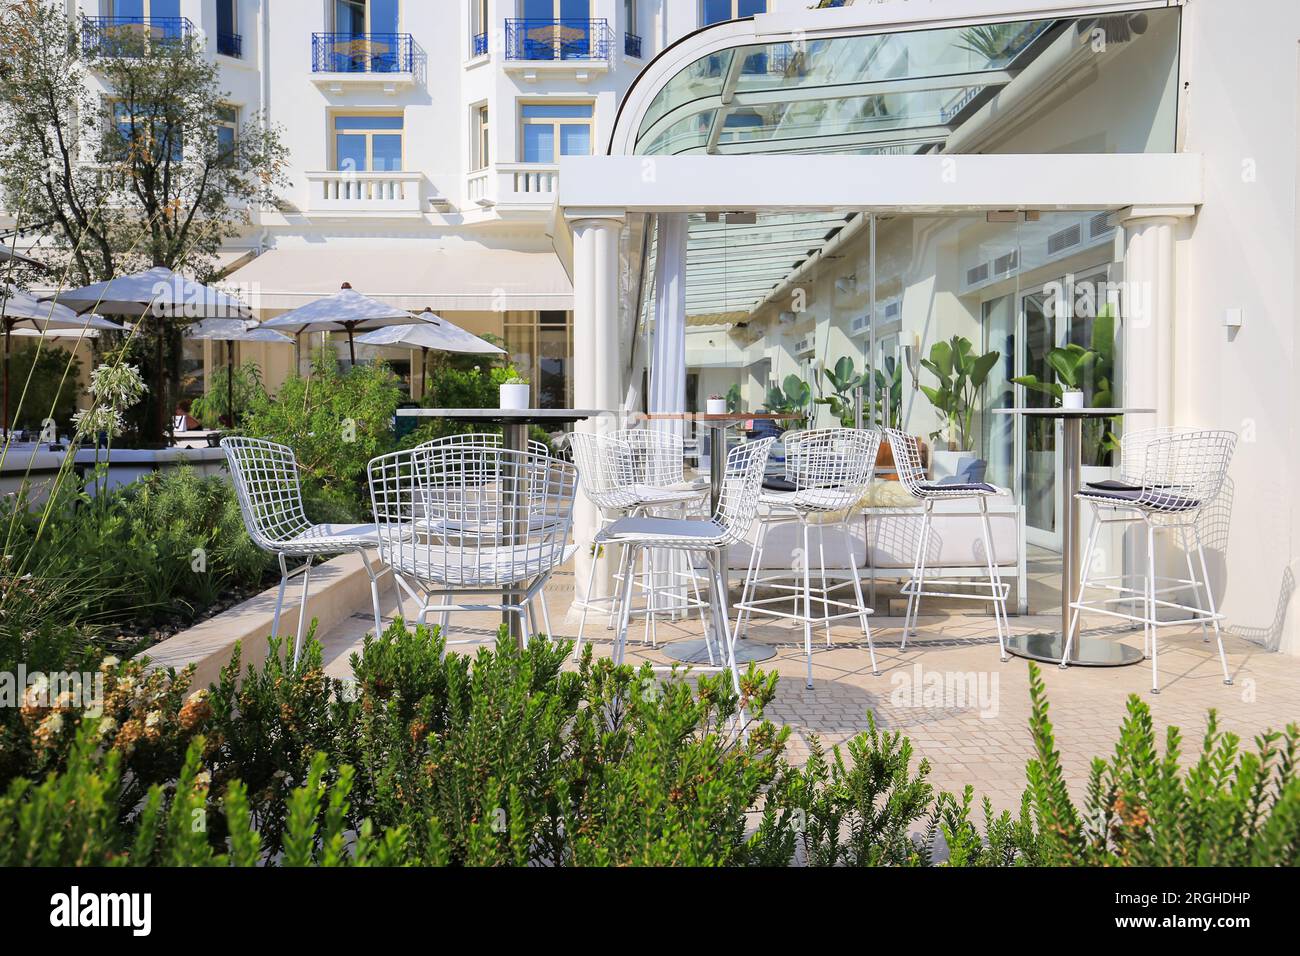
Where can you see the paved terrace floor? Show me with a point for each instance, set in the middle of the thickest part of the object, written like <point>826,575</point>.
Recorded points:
<point>985,742</point>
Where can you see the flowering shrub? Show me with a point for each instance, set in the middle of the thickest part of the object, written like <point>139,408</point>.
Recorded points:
<point>507,758</point>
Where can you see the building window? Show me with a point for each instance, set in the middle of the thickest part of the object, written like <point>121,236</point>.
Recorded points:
<point>229,42</point>
<point>557,9</point>
<point>145,9</point>
<point>367,16</point>
<point>716,11</point>
<point>631,32</point>
<point>478,27</point>
<point>541,348</point>
<point>227,133</point>
<point>368,142</point>
<point>551,130</point>
<point>145,134</point>
<point>481,142</point>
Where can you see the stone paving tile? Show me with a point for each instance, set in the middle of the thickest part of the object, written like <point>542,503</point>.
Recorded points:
<point>982,738</point>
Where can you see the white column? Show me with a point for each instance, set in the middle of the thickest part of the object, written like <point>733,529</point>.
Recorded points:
<point>1149,307</point>
<point>597,359</point>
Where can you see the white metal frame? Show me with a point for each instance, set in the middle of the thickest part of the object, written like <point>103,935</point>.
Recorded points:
<point>911,472</point>
<point>265,476</point>
<point>830,469</point>
<point>706,537</point>
<point>1168,476</point>
<point>473,519</point>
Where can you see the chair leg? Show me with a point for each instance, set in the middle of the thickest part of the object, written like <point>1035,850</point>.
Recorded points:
<point>826,594</point>
<point>1209,599</point>
<point>750,588</point>
<point>995,580</point>
<point>1191,577</point>
<point>918,577</point>
<point>807,606</point>
<point>445,627</point>
<point>374,590</point>
<point>1084,574</point>
<point>857,591</point>
<point>718,602</point>
<point>279,598</point>
<point>546,614</point>
<point>302,611</point>
<point>1151,607</point>
<point>620,636</point>
<point>586,605</point>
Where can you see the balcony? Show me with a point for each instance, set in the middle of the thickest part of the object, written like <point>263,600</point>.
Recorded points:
<point>339,59</point>
<point>131,36</point>
<point>632,45</point>
<point>348,193</point>
<point>514,189</point>
<point>230,44</point>
<point>581,47</point>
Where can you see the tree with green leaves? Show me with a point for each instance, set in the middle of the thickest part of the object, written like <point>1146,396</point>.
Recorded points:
<point>121,145</point>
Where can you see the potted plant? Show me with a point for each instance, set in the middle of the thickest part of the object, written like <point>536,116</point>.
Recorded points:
<point>792,395</point>
<point>514,392</point>
<point>961,374</point>
<point>715,405</point>
<point>844,381</point>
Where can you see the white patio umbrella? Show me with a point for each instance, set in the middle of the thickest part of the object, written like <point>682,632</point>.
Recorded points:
<point>231,331</point>
<point>431,332</point>
<point>8,255</point>
<point>20,310</point>
<point>159,292</point>
<point>345,311</point>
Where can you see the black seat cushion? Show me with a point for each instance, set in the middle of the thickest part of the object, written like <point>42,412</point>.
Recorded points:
<point>974,487</point>
<point>1154,500</point>
<point>777,483</point>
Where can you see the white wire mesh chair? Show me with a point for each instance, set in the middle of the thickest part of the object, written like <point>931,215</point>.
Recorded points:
<point>616,473</point>
<point>911,472</point>
<point>706,537</point>
<point>1168,476</point>
<point>464,520</point>
<point>265,476</point>
<point>830,469</point>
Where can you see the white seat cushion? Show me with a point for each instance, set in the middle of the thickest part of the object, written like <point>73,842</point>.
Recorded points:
<point>322,538</point>
<point>650,529</point>
<point>474,567</point>
<point>809,499</point>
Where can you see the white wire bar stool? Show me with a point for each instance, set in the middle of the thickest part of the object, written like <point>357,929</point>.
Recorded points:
<point>613,479</point>
<point>265,476</point>
<point>1168,476</point>
<point>911,472</point>
<point>830,469</point>
<point>473,521</point>
<point>705,537</point>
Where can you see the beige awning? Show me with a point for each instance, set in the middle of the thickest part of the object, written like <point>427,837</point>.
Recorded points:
<point>408,274</point>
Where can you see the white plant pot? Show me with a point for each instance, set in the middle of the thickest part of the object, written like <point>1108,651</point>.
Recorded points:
<point>514,396</point>
<point>943,464</point>
<point>715,406</point>
<point>1072,399</point>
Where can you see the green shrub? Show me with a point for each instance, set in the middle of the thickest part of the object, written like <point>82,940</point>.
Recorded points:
<point>335,422</point>
<point>509,758</point>
<point>213,407</point>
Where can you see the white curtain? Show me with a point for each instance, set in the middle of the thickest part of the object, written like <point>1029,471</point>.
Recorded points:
<point>668,353</point>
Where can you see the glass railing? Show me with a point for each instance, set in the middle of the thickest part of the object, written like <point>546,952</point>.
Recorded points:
<point>558,39</point>
<point>131,36</point>
<point>362,53</point>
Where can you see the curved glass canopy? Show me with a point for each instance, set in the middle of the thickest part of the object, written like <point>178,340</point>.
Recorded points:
<point>887,92</point>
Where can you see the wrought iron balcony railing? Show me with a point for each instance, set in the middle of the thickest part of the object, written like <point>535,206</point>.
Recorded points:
<point>230,44</point>
<point>632,45</point>
<point>362,53</point>
<point>563,39</point>
<point>132,36</point>
<point>480,44</point>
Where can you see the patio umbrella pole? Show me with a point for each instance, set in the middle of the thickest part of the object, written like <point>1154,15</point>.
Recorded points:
<point>424,370</point>
<point>8,327</point>
<point>352,347</point>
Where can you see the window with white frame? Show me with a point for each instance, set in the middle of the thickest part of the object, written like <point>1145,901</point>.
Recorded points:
<point>716,11</point>
<point>227,132</point>
<point>478,27</point>
<point>367,16</point>
<point>481,140</point>
<point>150,9</point>
<point>551,130</point>
<point>368,142</point>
